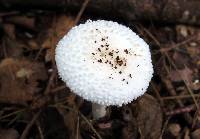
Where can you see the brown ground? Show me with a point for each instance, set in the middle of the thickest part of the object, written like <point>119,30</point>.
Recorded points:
<point>36,104</point>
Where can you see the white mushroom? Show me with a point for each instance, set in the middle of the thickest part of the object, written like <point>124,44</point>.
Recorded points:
<point>104,62</point>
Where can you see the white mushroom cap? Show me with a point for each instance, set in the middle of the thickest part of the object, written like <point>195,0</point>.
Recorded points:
<point>104,62</point>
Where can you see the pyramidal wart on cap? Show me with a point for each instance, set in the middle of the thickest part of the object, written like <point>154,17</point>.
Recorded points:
<point>105,63</point>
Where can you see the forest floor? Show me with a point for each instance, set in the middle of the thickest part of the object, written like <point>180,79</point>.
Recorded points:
<point>36,104</point>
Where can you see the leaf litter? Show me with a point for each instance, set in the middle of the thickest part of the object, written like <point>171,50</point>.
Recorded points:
<point>27,80</point>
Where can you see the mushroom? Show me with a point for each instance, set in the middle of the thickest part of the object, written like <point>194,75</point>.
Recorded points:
<point>105,63</point>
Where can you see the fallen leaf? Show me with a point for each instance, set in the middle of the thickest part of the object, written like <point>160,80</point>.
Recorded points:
<point>8,134</point>
<point>9,29</point>
<point>180,75</point>
<point>58,29</point>
<point>185,75</point>
<point>144,118</point>
<point>181,60</point>
<point>19,80</point>
<point>174,129</point>
<point>196,134</point>
<point>13,48</point>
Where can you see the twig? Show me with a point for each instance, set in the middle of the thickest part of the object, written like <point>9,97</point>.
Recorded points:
<point>157,94</point>
<point>167,82</point>
<point>186,84</point>
<point>151,36</point>
<point>50,82</point>
<point>81,11</point>
<point>77,128</point>
<point>82,116</point>
<point>91,126</point>
<point>180,97</point>
<point>197,112</point>
<point>164,127</point>
<point>195,118</point>
<point>38,53</point>
<point>178,44</point>
<point>28,127</point>
<point>59,88</point>
<point>172,92</point>
<point>13,120</point>
<point>181,110</point>
<point>39,130</point>
<point>11,114</point>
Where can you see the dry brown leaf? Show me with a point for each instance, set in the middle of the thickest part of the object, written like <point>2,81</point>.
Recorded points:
<point>180,75</point>
<point>19,80</point>
<point>196,134</point>
<point>12,48</point>
<point>8,134</point>
<point>185,75</point>
<point>174,129</point>
<point>145,117</point>
<point>58,29</point>
<point>181,59</point>
<point>9,29</point>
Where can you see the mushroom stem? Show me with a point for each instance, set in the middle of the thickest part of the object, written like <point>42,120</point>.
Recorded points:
<point>98,111</point>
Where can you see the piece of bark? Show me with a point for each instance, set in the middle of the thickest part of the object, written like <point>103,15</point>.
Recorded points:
<point>171,11</point>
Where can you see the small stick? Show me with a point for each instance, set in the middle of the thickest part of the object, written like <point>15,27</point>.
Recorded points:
<point>164,126</point>
<point>11,114</point>
<point>179,97</point>
<point>172,92</point>
<point>59,88</point>
<point>77,128</point>
<point>81,11</point>
<point>39,130</point>
<point>157,93</point>
<point>178,44</point>
<point>28,127</point>
<point>167,82</point>
<point>82,116</point>
<point>181,110</point>
<point>50,82</point>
